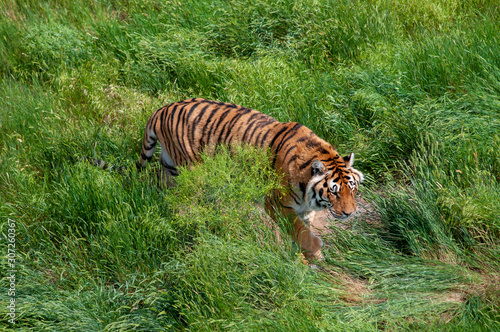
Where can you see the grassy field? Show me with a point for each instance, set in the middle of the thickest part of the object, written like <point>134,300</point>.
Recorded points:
<point>412,87</point>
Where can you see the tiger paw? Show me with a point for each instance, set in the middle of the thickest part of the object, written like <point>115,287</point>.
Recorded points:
<point>307,256</point>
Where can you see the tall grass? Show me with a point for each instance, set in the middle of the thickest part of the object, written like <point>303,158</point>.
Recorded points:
<point>410,86</point>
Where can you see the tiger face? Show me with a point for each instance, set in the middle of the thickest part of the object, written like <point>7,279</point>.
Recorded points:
<point>334,189</point>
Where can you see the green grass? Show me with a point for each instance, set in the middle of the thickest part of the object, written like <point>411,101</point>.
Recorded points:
<point>412,87</point>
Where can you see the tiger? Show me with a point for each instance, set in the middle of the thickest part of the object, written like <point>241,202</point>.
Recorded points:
<point>316,176</point>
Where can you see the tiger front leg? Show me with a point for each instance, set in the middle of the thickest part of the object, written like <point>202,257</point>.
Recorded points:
<point>309,243</point>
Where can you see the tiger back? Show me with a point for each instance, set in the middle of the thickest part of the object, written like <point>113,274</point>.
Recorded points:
<point>318,177</point>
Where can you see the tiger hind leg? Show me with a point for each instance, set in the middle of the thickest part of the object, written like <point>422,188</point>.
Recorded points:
<point>168,170</point>
<point>148,148</point>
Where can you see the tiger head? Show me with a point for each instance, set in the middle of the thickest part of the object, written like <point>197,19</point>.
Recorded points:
<point>334,188</point>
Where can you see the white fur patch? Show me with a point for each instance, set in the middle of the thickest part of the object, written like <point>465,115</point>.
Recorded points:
<point>309,192</point>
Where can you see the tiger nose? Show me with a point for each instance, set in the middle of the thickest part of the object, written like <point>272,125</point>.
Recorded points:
<point>345,215</point>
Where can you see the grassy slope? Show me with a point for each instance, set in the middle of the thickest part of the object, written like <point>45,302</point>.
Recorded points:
<point>412,87</point>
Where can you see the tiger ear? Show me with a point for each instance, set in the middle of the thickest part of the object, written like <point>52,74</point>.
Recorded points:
<point>349,160</point>
<point>317,168</point>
